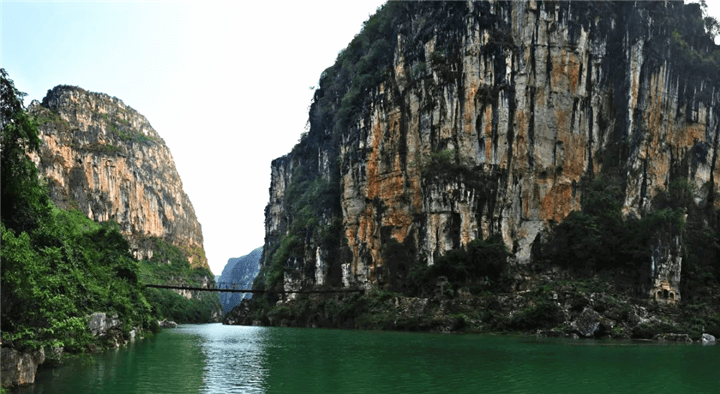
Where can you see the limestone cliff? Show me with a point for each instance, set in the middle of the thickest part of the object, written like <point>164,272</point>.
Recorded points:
<point>445,122</point>
<point>104,158</point>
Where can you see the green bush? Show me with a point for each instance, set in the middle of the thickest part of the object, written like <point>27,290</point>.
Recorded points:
<point>68,268</point>
<point>169,265</point>
<point>124,130</point>
<point>649,330</point>
<point>543,314</point>
<point>599,238</point>
<point>25,202</point>
<point>442,163</point>
<point>481,264</point>
<point>481,261</point>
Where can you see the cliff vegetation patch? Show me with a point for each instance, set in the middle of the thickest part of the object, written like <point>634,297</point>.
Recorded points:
<point>169,265</point>
<point>312,205</point>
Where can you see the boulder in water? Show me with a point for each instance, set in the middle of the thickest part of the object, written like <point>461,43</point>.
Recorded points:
<point>707,339</point>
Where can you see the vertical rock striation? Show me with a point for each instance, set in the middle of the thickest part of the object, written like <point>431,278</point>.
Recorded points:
<point>102,157</point>
<point>490,119</point>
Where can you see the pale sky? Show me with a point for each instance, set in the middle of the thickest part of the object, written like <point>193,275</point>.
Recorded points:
<point>226,84</point>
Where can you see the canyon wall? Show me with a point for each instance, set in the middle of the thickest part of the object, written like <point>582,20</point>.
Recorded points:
<point>490,119</point>
<point>102,157</point>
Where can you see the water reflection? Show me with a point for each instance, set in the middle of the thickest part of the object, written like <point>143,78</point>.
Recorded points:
<point>235,359</point>
<point>149,366</point>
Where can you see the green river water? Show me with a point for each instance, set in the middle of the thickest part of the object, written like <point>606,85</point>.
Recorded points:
<point>213,358</point>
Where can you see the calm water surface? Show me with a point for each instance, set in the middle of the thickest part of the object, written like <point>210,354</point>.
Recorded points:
<point>214,358</point>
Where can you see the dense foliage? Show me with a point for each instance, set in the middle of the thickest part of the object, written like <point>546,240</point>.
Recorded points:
<point>56,275</point>
<point>169,265</point>
<point>358,70</point>
<point>24,201</point>
<point>367,62</point>
<point>692,43</point>
<point>479,266</point>
<point>598,237</point>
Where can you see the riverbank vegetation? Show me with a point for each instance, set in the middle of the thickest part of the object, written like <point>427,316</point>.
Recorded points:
<point>169,265</point>
<point>551,305</point>
<point>59,267</point>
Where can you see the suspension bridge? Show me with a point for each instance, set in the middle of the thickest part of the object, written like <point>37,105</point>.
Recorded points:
<point>231,288</point>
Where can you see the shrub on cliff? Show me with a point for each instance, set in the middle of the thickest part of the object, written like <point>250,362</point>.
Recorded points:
<point>543,314</point>
<point>599,238</point>
<point>169,265</point>
<point>358,69</point>
<point>482,261</point>
<point>481,264</point>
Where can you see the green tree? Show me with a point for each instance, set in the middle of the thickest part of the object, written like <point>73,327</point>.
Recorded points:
<point>24,200</point>
<point>58,266</point>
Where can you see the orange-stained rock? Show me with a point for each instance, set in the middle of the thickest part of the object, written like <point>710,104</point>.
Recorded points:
<point>102,157</point>
<point>533,101</point>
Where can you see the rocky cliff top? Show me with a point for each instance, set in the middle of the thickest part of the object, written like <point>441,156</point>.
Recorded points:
<point>104,158</point>
<point>105,123</point>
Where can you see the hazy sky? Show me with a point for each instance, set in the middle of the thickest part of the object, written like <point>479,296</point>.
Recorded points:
<point>226,84</point>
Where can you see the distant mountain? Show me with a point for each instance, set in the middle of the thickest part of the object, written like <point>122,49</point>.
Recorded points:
<point>239,273</point>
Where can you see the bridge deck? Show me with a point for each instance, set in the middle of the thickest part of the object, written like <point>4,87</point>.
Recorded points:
<point>252,291</point>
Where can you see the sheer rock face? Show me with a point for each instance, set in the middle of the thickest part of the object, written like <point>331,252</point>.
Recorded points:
<point>18,368</point>
<point>102,157</point>
<point>532,99</point>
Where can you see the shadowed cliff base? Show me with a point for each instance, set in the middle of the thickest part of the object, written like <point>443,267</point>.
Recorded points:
<point>552,305</point>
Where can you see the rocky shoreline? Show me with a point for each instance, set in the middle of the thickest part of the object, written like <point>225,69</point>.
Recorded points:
<point>20,365</point>
<point>570,309</point>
